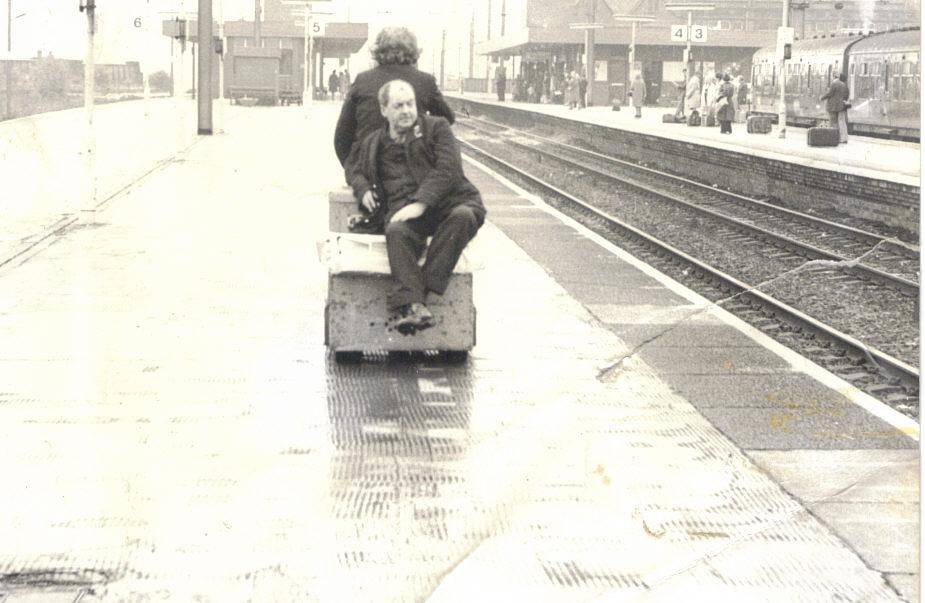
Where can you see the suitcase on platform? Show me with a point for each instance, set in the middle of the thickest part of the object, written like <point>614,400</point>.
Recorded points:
<point>711,121</point>
<point>693,119</point>
<point>758,124</point>
<point>669,118</point>
<point>822,137</point>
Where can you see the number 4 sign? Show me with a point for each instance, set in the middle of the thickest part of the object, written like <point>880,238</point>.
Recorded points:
<point>679,33</point>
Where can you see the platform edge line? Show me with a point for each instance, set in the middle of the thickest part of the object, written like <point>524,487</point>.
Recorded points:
<point>896,419</point>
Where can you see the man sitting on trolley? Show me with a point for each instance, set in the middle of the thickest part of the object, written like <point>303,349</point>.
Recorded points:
<point>410,173</point>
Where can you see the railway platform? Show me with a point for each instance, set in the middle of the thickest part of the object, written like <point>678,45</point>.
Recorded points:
<point>889,160</point>
<point>174,428</point>
<point>866,182</point>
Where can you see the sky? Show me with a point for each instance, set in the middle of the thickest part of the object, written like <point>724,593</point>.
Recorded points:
<point>58,27</point>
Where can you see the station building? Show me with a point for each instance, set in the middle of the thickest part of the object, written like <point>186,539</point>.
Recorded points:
<point>539,41</point>
<point>274,38</point>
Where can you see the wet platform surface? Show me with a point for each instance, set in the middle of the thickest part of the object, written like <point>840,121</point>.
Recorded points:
<point>175,428</point>
<point>882,159</point>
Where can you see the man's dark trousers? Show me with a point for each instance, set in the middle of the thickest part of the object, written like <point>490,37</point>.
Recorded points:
<point>502,85</point>
<point>451,228</point>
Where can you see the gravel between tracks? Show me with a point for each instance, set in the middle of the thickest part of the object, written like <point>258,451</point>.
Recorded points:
<point>881,317</point>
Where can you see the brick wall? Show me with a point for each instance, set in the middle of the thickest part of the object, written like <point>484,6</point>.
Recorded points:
<point>822,192</point>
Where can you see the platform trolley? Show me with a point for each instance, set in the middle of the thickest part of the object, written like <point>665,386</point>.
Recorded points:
<point>359,279</point>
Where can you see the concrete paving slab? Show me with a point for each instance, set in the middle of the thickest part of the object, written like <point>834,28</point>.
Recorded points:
<point>641,314</point>
<point>815,428</point>
<point>864,475</point>
<point>885,535</point>
<point>781,391</point>
<point>713,361</point>
<point>630,291</point>
<point>908,586</point>
<point>704,336</point>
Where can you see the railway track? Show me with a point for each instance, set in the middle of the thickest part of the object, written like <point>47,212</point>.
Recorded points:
<point>782,239</point>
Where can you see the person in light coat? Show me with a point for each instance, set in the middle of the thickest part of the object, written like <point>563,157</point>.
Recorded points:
<point>638,90</point>
<point>571,90</point>
<point>692,94</point>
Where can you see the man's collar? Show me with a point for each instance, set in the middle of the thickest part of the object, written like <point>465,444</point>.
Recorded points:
<point>411,133</point>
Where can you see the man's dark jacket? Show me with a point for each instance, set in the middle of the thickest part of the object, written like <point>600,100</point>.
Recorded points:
<point>836,96</point>
<point>434,161</point>
<point>360,113</point>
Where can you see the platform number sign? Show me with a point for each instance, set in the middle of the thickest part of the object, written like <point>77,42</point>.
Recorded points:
<point>317,28</point>
<point>698,33</point>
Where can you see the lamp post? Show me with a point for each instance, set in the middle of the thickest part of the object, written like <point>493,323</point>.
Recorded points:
<point>689,8</point>
<point>631,55</point>
<point>589,55</point>
<point>306,13</point>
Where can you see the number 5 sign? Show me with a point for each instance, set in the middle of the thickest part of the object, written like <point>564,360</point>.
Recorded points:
<point>318,28</point>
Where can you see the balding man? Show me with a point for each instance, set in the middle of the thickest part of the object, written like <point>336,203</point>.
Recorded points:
<point>411,172</point>
<point>395,52</point>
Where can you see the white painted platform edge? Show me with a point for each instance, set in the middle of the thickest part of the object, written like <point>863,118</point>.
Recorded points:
<point>797,362</point>
<point>759,150</point>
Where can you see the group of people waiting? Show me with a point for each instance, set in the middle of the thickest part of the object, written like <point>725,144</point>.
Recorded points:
<point>717,100</point>
<point>570,88</point>
<point>338,83</point>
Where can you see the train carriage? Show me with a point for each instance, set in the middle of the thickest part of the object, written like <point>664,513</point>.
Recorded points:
<point>881,70</point>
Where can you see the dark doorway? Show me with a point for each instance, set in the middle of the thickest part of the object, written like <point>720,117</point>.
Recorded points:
<point>652,74</point>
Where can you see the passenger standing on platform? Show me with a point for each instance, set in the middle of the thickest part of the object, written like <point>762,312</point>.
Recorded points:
<point>638,90</point>
<point>692,94</point>
<point>412,169</point>
<point>333,82</point>
<point>501,80</point>
<point>395,52</point>
<point>582,89</point>
<point>710,92</point>
<point>725,107</point>
<point>571,89</point>
<point>836,103</point>
<point>741,95</point>
<point>344,83</point>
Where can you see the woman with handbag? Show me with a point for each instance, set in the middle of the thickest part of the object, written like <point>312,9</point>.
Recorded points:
<point>725,110</point>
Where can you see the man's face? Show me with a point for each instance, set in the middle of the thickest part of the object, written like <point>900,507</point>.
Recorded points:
<point>401,110</point>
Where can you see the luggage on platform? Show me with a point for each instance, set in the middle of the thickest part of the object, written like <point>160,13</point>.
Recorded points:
<point>822,137</point>
<point>758,124</point>
<point>711,121</point>
<point>693,119</point>
<point>671,118</point>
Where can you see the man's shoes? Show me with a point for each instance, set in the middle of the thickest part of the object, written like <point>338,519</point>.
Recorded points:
<point>414,317</point>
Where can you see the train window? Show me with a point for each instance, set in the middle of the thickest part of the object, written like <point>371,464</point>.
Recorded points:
<point>851,69</point>
<point>886,77</point>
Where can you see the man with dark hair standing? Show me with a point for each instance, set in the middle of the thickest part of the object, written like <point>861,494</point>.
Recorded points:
<point>395,52</point>
<point>501,80</point>
<point>412,169</point>
<point>836,99</point>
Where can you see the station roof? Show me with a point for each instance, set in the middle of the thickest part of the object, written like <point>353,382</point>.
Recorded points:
<point>339,39</point>
<point>646,35</point>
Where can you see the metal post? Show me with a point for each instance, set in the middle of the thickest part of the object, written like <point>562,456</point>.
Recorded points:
<point>88,211</point>
<point>306,89</point>
<point>442,57</point>
<point>220,113</point>
<point>9,59</point>
<point>205,67</point>
<point>311,42</point>
<point>589,57</point>
<point>782,114</point>
<point>690,25</point>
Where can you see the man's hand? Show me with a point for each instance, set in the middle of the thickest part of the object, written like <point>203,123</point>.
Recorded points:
<point>409,212</point>
<point>369,201</point>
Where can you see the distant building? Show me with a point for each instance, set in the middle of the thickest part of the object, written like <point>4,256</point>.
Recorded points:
<point>536,40</point>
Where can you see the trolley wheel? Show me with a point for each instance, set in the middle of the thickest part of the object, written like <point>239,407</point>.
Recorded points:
<point>455,356</point>
<point>348,357</point>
